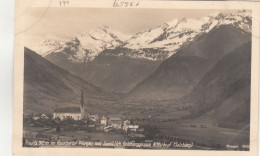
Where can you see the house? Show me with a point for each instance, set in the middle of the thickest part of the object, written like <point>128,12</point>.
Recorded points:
<point>128,126</point>
<point>115,123</point>
<point>45,117</point>
<point>40,116</point>
<point>94,118</point>
<point>108,128</point>
<point>103,121</point>
<point>67,112</point>
<point>140,130</point>
<point>75,113</point>
<point>36,117</point>
<point>132,128</point>
<point>126,122</point>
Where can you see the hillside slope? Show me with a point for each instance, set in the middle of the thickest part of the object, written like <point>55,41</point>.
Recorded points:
<point>47,86</point>
<point>223,94</point>
<point>118,73</point>
<point>177,75</point>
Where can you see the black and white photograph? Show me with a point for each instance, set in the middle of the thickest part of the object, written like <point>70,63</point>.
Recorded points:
<point>137,78</point>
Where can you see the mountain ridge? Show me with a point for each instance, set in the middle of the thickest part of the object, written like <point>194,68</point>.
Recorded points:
<point>88,45</point>
<point>47,86</point>
<point>189,64</point>
<point>223,94</point>
<point>166,38</point>
<point>132,65</point>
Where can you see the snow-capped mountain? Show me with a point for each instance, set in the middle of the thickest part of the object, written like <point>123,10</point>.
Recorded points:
<point>168,37</point>
<point>84,47</point>
<point>106,58</point>
<point>49,46</point>
<point>98,40</point>
<point>152,44</point>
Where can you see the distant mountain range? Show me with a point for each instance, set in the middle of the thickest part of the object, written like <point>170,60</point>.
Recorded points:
<point>170,36</point>
<point>163,62</point>
<point>85,47</point>
<point>167,37</point>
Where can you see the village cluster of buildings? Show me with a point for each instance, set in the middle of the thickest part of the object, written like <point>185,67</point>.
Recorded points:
<point>118,123</point>
<point>80,113</point>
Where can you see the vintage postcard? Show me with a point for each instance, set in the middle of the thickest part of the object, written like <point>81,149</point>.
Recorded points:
<point>136,77</point>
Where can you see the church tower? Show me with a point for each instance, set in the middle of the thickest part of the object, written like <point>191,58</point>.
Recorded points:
<point>82,107</point>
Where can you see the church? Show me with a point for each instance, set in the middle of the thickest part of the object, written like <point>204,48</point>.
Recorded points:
<point>75,113</point>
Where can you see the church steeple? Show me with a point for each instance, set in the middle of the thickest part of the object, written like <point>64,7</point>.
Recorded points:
<point>82,106</point>
<point>82,99</point>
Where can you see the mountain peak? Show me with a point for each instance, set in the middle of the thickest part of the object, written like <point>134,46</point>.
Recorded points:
<point>99,39</point>
<point>167,37</point>
<point>101,29</point>
<point>48,46</point>
<point>171,35</point>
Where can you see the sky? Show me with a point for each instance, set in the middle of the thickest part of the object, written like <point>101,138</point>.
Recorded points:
<point>66,23</point>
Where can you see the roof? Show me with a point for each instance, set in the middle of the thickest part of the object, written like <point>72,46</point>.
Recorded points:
<point>67,110</point>
<point>133,126</point>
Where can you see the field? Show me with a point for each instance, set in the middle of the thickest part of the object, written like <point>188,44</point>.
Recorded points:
<point>72,135</point>
<point>167,116</point>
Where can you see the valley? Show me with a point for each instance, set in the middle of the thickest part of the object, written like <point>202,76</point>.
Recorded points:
<point>187,80</point>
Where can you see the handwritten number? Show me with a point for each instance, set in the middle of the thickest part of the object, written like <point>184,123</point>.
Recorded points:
<point>115,4</point>
<point>124,4</point>
<point>63,3</point>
